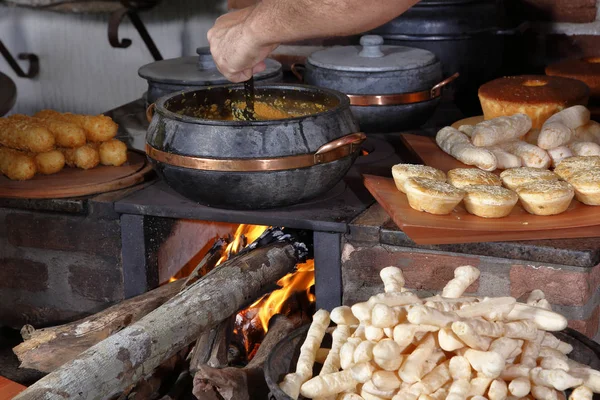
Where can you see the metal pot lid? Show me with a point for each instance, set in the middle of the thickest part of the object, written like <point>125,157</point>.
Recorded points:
<point>372,56</point>
<point>199,70</point>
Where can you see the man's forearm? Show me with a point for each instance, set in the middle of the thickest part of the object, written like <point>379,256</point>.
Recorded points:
<point>282,21</point>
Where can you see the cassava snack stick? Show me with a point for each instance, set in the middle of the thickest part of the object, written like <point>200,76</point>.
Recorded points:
<point>500,129</point>
<point>558,154</point>
<point>585,148</point>
<point>531,155</point>
<point>457,144</point>
<point>560,128</point>
<point>443,348</point>
<point>505,159</point>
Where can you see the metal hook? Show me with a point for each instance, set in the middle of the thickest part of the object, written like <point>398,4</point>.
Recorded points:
<point>117,17</point>
<point>34,62</point>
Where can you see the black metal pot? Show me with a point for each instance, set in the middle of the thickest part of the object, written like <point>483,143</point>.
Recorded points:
<point>283,357</point>
<point>8,94</point>
<point>391,88</point>
<point>187,73</point>
<point>467,36</point>
<point>253,165</point>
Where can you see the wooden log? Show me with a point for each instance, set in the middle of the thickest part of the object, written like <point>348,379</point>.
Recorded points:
<point>47,349</point>
<point>248,382</point>
<point>212,346</point>
<point>116,363</point>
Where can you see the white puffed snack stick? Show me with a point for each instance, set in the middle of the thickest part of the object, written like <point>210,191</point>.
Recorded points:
<point>439,394</point>
<point>479,386</point>
<point>493,309</point>
<point>349,396</point>
<point>339,336</point>
<point>458,145</point>
<point>554,363</point>
<point>504,346</point>
<point>467,129</point>
<point>558,154</point>
<point>501,129</point>
<point>459,390</point>
<point>292,382</point>
<point>364,352</point>
<point>560,128</point>
<point>412,368</point>
<point>387,355</point>
<point>373,333</point>
<point>425,397</point>
<point>519,387</point>
<point>591,377</point>
<point>368,396</point>
<point>531,350</point>
<point>555,378</point>
<point>424,315</point>
<point>490,363</point>
<point>383,316</point>
<point>486,328</point>
<point>433,381</point>
<point>393,279</point>
<point>363,372</point>
<point>342,315</point>
<point>505,160</point>
<point>370,388</point>
<point>544,319</point>
<point>581,393</point>
<point>459,368</point>
<point>395,299</point>
<point>385,380</point>
<point>405,395</point>
<point>467,334</point>
<point>585,148</point>
<point>530,154</point>
<point>436,358</point>
<point>553,342</point>
<point>463,278</point>
<point>328,385</point>
<point>448,340</point>
<point>589,132</point>
<point>498,390</point>
<point>515,371</point>
<point>543,393</point>
<point>362,311</point>
<point>347,353</point>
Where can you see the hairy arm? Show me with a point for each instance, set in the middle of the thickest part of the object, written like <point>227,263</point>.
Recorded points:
<point>282,21</point>
<point>241,40</point>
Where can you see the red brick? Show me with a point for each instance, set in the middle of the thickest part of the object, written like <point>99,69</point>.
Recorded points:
<point>426,271</point>
<point>561,287</point>
<point>61,232</point>
<point>588,327</point>
<point>27,275</point>
<point>104,285</point>
<point>579,11</point>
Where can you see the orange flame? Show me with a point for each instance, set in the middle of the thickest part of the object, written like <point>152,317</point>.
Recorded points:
<point>301,280</point>
<point>244,235</point>
<point>172,279</point>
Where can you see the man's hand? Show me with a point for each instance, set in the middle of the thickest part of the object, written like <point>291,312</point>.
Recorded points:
<point>236,50</point>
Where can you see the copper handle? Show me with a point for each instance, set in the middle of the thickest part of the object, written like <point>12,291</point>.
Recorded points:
<point>150,112</point>
<point>329,152</point>
<point>400,98</point>
<point>297,73</point>
<point>437,89</point>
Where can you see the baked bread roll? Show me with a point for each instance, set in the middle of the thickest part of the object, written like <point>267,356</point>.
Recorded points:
<point>489,201</point>
<point>515,177</point>
<point>458,145</point>
<point>432,196</point>
<point>501,129</point>
<point>586,70</point>
<point>569,166</point>
<point>461,177</point>
<point>546,197</point>
<point>585,148</point>
<point>587,186</point>
<point>561,128</point>
<point>401,172</point>
<point>558,154</point>
<point>530,154</point>
<point>538,96</point>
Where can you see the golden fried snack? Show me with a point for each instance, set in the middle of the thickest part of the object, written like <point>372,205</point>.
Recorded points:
<point>113,152</point>
<point>16,164</point>
<point>65,133</point>
<point>21,132</point>
<point>49,162</point>
<point>84,157</point>
<point>98,128</point>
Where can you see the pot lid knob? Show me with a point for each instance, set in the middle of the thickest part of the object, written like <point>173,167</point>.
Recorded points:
<point>205,59</point>
<point>371,46</point>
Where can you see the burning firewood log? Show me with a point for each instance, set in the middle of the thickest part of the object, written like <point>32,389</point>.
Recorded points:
<point>47,349</point>
<point>119,361</point>
<point>248,382</point>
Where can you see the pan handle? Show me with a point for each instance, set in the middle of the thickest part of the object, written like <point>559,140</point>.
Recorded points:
<point>150,112</point>
<point>352,140</point>
<point>436,91</point>
<point>298,71</point>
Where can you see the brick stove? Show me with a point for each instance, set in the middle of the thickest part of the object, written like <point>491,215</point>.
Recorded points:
<point>65,258</point>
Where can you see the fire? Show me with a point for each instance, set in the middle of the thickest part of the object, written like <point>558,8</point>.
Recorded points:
<point>172,279</point>
<point>244,235</point>
<point>301,280</point>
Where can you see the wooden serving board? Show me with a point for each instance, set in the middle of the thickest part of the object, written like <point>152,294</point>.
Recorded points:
<point>9,389</point>
<point>461,227</point>
<point>75,182</point>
